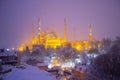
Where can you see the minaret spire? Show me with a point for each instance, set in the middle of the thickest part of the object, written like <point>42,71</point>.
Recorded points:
<point>90,33</point>
<point>38,26</point>
<point>90,36</point>
<point>33,33</point>
<point>65,31</point>
<point>38,30</point>
<point>74,33</point>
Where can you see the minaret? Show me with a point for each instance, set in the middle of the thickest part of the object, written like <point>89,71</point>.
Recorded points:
<point>74,33</point>
<point>33,33</point>
<point>38,30</point>
<point>65,31</point>
<point>90,37</point>
<point>90,33</point>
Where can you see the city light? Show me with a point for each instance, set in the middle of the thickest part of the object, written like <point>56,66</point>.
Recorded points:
<point>21,49</point>
<point>50,66</point>
<point>8,49</point>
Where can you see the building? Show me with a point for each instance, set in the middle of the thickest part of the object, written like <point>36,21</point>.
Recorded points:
<point>8,57</point>
<point>51,39</point>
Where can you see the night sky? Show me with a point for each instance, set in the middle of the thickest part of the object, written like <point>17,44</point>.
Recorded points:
<point>17,16</point>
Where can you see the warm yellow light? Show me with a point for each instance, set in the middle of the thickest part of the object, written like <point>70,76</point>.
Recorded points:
<point>63,68</point>
<point>78,47</point>
<point>21,49</point>
<point>65,79</point>
<point>52,42</point>
<point>55,61</point>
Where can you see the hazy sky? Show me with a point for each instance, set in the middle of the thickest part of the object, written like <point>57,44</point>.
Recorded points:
<point>17,16</point>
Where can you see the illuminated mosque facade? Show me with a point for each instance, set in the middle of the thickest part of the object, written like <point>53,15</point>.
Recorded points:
<point>50,38</point>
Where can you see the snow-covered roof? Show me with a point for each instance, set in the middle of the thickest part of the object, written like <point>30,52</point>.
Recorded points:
<point>8,53</point>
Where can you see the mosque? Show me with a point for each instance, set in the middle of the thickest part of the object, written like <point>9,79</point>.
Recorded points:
<point>50,38</point>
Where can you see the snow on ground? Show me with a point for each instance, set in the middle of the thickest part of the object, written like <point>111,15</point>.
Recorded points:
<point>29,73</point>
